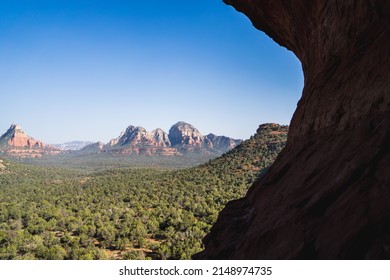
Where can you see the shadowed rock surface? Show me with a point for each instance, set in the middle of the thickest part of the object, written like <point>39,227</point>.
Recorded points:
<point>327,196</point>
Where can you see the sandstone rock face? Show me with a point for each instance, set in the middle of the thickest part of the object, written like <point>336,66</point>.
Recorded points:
<point>16,143</point>
<point>16,137</point>
<point>138,141</point>
<point>183,138</point>
<point>327,194</point>
<point>182,134</point>
<point>186,137</point>
<point>160,138</point>
<point>135,136</point>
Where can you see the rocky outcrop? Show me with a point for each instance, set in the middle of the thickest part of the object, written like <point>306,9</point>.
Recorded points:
<point>135,136</point>
<point>133,141</point>
<point>138,141</point>
<point>183,138</point>
<point>183,134</point>
<point>186,138</point>
<point>16,143</point>
<point>327,194</point>
<point>15,137</point>
<point>160,137</point>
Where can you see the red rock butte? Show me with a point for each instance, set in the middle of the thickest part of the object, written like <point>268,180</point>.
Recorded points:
<point>16,143</point>
<point>327,194</point>
<point>20,139</point>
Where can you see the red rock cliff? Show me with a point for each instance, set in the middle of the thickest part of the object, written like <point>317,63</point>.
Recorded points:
<point>327,196</point>
<point>16,143</point>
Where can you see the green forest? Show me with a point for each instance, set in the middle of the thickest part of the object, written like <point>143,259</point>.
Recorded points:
<point>125,213</point>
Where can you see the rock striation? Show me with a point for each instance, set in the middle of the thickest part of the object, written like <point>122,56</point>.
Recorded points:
<point>16,143</point>
<point>327,194</point>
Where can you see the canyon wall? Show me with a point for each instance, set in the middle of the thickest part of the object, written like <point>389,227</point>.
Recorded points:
<point>327,196</point>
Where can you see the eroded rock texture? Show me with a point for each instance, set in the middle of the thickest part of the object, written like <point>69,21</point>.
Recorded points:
<point>327,196</point>
<point>16,143</point>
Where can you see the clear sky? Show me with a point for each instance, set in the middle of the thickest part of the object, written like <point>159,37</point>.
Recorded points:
<point>85,70</point>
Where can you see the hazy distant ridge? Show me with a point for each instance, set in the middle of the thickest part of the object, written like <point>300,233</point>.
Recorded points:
<point>73,145</point>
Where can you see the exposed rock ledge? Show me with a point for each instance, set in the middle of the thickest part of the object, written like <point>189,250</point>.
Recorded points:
<point>327,196</point>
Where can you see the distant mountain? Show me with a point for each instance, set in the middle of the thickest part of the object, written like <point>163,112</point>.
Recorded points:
<point>93,148</point>
<point>138,141</point>
<point>186,138</point>
<point>138,136</point>
<point>184,134</point>
<point>15,137</point>
<point>16,143</point>
<point>222,143</point>
<point>183,138</point>
<point>72,146</point>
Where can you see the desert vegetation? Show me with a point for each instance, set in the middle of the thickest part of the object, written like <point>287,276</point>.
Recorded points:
<point>128,213</point>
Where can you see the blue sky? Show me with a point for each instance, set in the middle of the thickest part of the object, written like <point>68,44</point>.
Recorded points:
<point>85,70</point>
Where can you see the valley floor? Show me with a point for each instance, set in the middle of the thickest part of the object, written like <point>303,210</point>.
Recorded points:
<point>123,213</point>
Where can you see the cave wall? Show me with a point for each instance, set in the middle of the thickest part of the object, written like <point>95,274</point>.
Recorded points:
<point>327,196</point>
